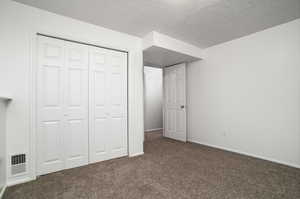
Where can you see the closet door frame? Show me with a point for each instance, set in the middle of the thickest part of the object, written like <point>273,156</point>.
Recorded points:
<point>32,163</point>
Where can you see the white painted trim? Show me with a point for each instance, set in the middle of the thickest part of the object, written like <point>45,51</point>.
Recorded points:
<point>136,154</point>
<point>245,153</point>
<point>163,100</point>
<point>19,181</point>
<point>31,164</point>
<point>150,130</point>
<point>2,192</point>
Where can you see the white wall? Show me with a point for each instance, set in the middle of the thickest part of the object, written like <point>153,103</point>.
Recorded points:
<point>2,144</point>
<point>245,95</point>
<point>153,82</point>
<point>18,24</point>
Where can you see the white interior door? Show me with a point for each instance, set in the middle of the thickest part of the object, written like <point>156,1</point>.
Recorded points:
<point>108,104</point>
<point>62,105</point>
<point>50,106</point>
<point>175,102</point>
<point>76,104</point>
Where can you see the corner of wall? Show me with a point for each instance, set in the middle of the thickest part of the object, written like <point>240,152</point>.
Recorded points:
<point>2,191</point>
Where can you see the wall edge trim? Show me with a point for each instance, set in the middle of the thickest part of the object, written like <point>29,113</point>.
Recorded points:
<point>136,154</point>
<point>2,191</point>
<point>156,129</point>
<point>246,154</point>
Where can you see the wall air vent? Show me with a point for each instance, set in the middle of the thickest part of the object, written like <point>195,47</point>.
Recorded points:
<point>18,164</point>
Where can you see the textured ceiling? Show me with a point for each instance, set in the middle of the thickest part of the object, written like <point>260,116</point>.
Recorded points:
<point>200,22</point>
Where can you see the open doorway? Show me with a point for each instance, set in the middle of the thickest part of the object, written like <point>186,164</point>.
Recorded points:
<point>153,102</point>
<point>165,102</point>
<point>171,59</point>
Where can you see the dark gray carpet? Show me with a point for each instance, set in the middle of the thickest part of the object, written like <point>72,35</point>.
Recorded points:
<point>169,169</point>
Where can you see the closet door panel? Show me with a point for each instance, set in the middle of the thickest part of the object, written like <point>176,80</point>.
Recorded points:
<point>118,106</point>
<point>100,127</point>
<point>50,105</point>
<point>108,104</point>
<point>99,105</point>
<point>76,104</point>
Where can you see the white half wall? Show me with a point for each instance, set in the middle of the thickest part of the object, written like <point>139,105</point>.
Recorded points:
<point>19,23</point>
<point>153,90</point>
<point>245,95</point>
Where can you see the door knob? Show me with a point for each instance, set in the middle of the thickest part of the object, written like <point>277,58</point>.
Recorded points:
<point>182,106</point>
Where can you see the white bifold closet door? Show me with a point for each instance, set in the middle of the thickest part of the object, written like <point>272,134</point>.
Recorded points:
<point>108,104</point>
<point>62,105</point>
<point>75,82</point>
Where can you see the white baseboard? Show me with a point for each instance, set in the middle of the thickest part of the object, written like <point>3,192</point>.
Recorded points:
<point>247,154</point>
<point>136,154</point>
<point>150,130</point>
<point>18,181</point>
<point>2,192</point>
